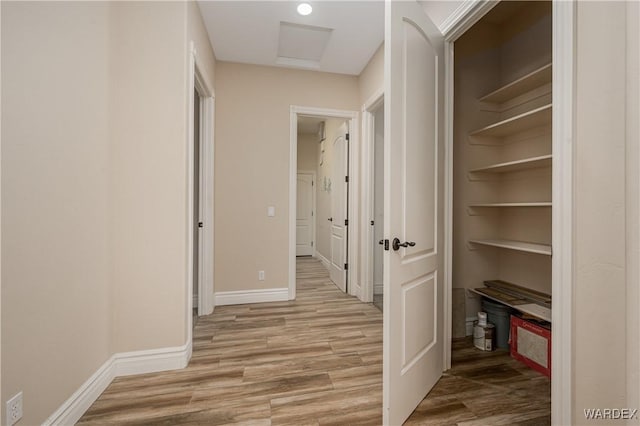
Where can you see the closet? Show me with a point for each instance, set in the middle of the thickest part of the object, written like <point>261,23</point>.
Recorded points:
<point>502,158</point>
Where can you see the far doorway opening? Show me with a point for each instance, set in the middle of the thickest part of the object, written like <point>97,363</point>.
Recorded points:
<point>321,202</point>
<point>322,216</point>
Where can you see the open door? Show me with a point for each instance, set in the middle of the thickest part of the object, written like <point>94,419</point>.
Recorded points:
<point>339,193</point>
<point>413,209</point>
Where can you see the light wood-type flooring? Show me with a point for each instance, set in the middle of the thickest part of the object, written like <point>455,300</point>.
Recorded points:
<point>313,361</point>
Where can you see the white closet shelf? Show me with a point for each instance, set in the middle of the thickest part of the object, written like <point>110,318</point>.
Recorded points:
<point>525,84</point>
<point>535,118</point>
<point>514,166</point>
<point>543,249</point>
<point>537,204</point>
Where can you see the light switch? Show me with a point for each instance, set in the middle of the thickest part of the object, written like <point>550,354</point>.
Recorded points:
<point>271,211</point>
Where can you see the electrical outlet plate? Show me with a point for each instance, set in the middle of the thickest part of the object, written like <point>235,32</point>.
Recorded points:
<point>261,275</point>
<point>14,409</point>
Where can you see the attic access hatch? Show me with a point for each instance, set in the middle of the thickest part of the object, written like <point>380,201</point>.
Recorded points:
<point>302,45</point>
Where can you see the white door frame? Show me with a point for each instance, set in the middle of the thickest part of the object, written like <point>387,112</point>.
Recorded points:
<point>352,116</point>
<point>367,193</point>
<point>562,187</point>
<point>199,83</point>
<point>313,202</point>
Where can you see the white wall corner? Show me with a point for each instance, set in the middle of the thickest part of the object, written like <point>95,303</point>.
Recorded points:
<point>251,296</point>
<point>121,364</point>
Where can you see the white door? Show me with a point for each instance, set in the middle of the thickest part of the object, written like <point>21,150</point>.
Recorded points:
<point>413,210</point>
<point>339,185</point>
<point>304,215</point>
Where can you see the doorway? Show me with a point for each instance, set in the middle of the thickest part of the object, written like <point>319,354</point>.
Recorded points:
<point>322,205</point>
<point>199,200</point>
<point>321,141</point>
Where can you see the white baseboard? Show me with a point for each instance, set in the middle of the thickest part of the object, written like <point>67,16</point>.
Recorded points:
<point>469,325</point>
<point>323,259</point>
<point>120,364</point>
<point>378,288</point>
<point>251,296</point>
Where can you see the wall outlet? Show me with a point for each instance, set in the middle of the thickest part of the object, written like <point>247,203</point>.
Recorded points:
<point>14,409</point>
<point>260,275</point>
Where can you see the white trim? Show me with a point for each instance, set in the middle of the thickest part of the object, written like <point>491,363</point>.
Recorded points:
<point>323,259</point>
<point>562,213</point>
<point>242,297</point>
<point>367,190</point>
<point>448,201</point>
<point>354,144</point>
<point>189,197</point>
<point>122,364</point>
<point>464,17</point>
<point>314,208</point>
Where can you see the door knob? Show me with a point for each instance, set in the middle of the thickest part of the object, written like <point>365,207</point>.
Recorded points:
<point>330,219</point>
<point>397,244</point>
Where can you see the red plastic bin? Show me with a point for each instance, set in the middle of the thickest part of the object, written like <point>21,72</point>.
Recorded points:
<point>531,344</point>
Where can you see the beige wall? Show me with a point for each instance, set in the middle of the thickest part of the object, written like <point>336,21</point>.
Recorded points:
<point>148,131</point>
<point>371,78</point>
<point>600,350</point>
<point>307,152</point>
<point>633,204</point>
<point>94,179</point>
<point>252,165</point>
<point>55,208</point>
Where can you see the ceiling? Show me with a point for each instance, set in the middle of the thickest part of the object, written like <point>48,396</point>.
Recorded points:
<point>338,37</point>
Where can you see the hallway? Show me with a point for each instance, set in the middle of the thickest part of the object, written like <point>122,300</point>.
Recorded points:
<point>314,360</point>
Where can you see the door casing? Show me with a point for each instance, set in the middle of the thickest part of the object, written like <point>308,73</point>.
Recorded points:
<point>367,193</point>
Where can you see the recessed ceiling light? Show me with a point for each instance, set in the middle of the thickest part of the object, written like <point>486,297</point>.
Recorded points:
<point>304,9</point>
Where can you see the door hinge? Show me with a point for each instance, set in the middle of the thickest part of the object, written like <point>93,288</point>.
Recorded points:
<point>346,266</point>
<point>311,183</point>
<point>346,179</point>
<point>311,243</point>
<point>371,223</point>
<point>347,136</point>
<point>311,212</point>
<point>346,222</point>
